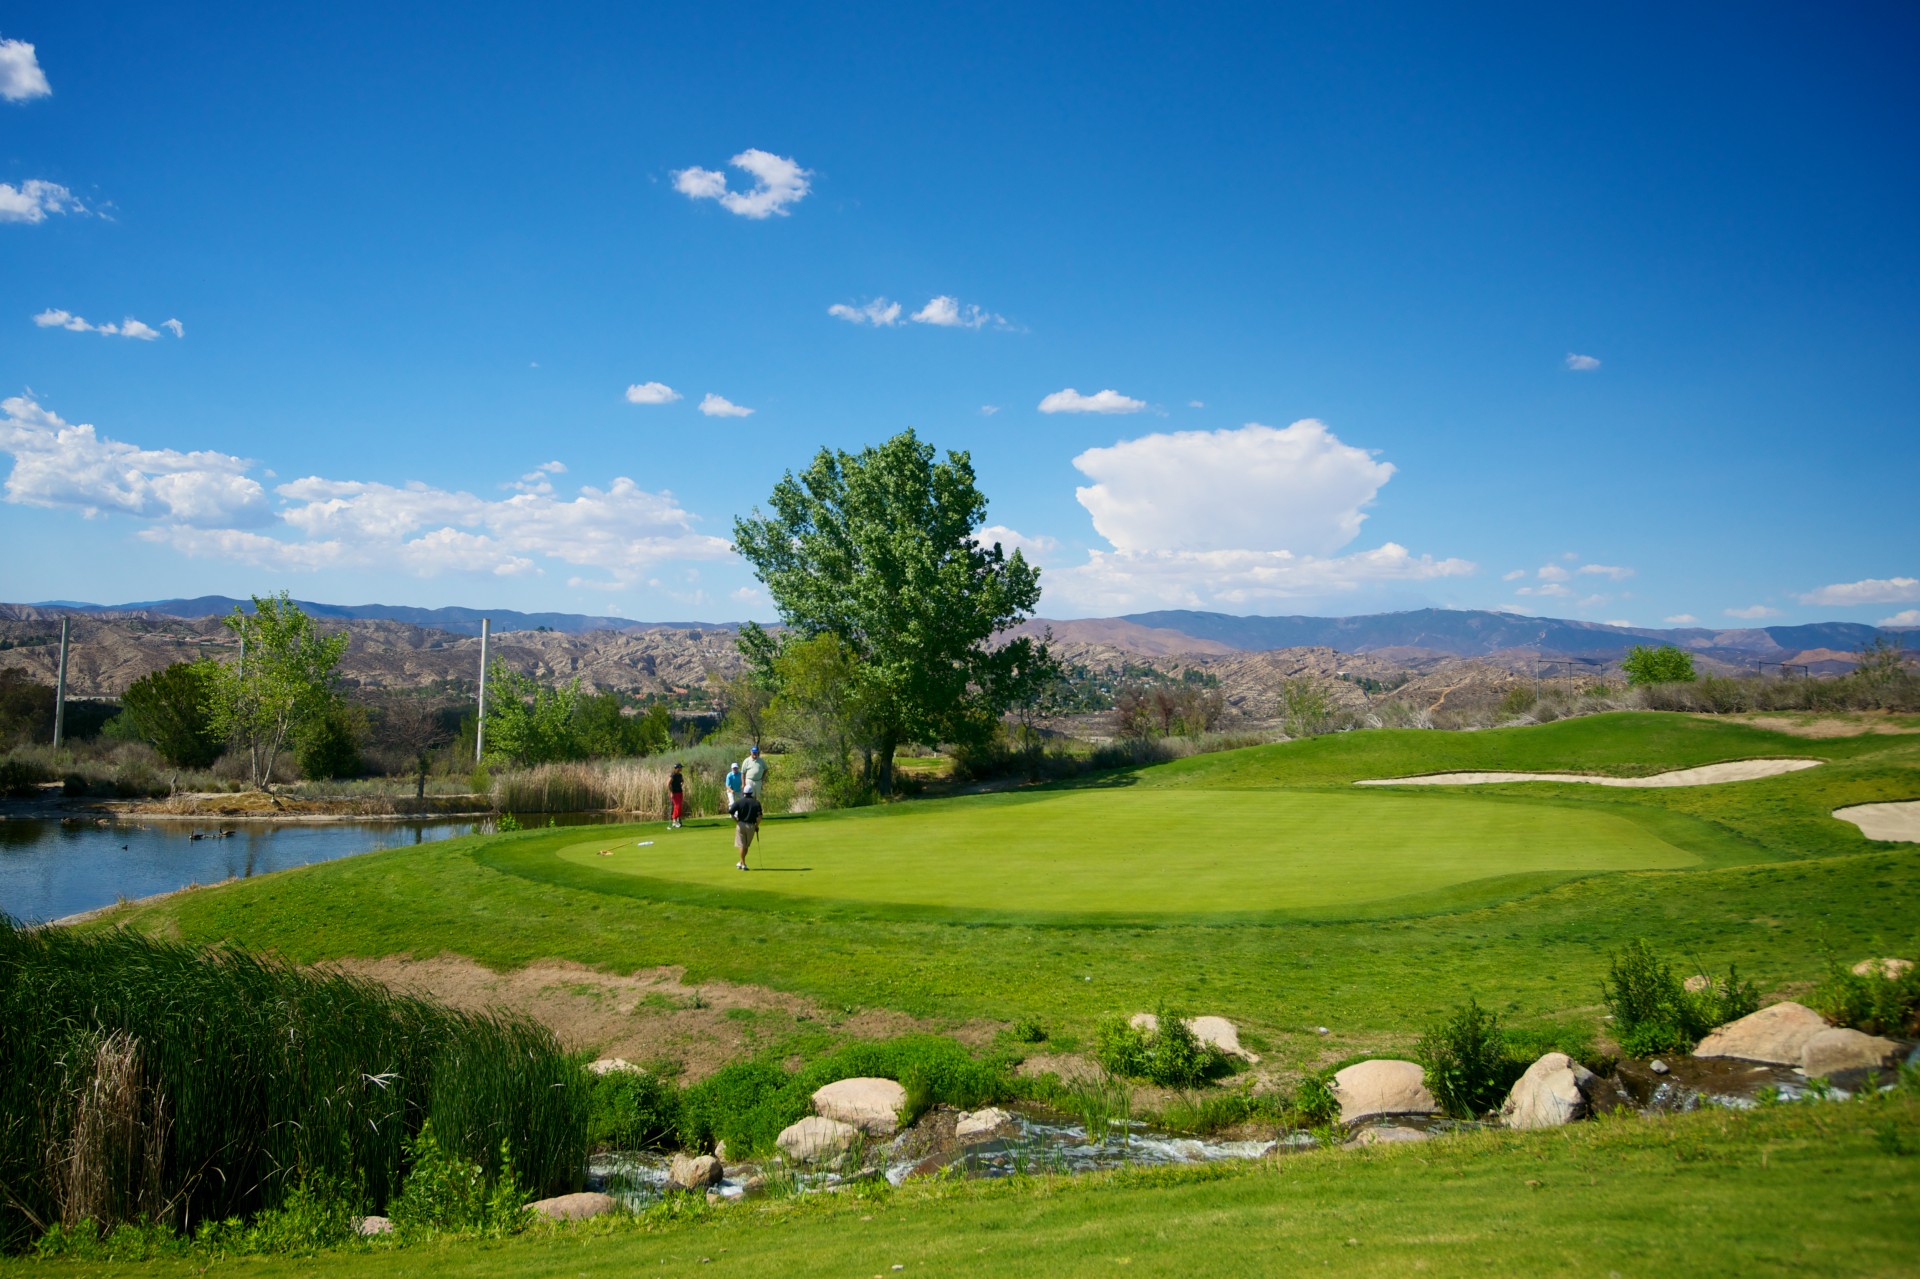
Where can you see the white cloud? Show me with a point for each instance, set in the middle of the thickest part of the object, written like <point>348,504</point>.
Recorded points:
<point>1552,590</point>
<point>720,406</point>
<point>778,182</point>
<point>747,595</point>
<point>1683,619</point>
<point>1011,540</point>
<point>1552,573</point>
<point>1752,612</point>
<point>1871,590</point>
<point>1617,621</point>
<point>1124,581</point>
<point>1196,404</point>
<point>988,410</point>
<point>1071,401</point>
<point>538,480</point>
<point>21,78</point>
<point>60,464</point>
<point>1582,363</point>
<point>34,199</point>
<point>1613,571</point>
<point>53,318</point>
<point>880,313</point>
<point>1905,617</point>
<point>949,313</point>
<point>651,393</point>
<point>1513,576</point>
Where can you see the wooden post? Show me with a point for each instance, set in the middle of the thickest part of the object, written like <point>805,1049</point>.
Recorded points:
<point>60,686</point>
<point>480,725</point>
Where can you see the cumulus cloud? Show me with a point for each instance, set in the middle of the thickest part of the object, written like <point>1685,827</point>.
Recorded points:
<point>1582,363</point>
<point>988,410</point>
<point>33,200</point>
<point>1752,612</point>
<point>950,313</point>
<point>1011,540</point>
<point>1683,619</point>
<point>1109,401</point>
<point>1905,617</point>
<point>1870,590</point>
<point>127,328</point>
<point>206,504</point>
<point>1122,581</point>
<point>1196,404</point>
<point>1513,576</point>
<point>21,78</point>
<point>720,406</point>
<point>880,313</point>
<point>1613,571</point>
<point>1552,573</point>
<point>651,393</point>
<point>778,182</point>
<point>1552,590</point>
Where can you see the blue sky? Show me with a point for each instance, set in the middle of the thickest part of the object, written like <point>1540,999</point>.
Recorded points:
<point>1606,313</point>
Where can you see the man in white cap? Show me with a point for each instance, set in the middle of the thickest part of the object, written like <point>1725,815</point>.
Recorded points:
<point>753,776</point>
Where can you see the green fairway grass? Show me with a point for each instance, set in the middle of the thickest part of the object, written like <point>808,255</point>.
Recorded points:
<point>1806,1189</point>
<point>1134,854</point>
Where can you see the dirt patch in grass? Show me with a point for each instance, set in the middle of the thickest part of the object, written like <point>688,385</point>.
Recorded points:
<point>263,805</point>
<point>649,1016</point>
<point>1853,724</point>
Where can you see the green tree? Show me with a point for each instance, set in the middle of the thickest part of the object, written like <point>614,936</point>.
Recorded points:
<point>606,731</point>
<point>878,548</point>
<point>1663,665</point>
<point>282,681</point>
<point>818,708</point>
<point>169,711</point>
<point>744,700</point>
<point>328,744</point>
<point>530,723</point>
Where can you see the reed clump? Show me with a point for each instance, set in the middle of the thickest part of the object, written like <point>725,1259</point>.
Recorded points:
<point>147,1081</point>
<point>635,786</point>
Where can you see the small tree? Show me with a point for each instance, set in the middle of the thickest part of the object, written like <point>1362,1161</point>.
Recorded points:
<point>529,723</point>
<point>282,681</point>
<point>744,700</point>
<point>168,711</point>
<point>1663,665</point>
<point>1305,707</point>
<point>415,726</point>
<point>819,710</point>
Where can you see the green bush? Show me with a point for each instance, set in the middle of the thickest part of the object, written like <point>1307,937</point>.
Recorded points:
<point>1027,1030</point>
<point>632,1110</point>
<point>329,744</point>
<point>21,776</point>
<point>448,1194</point>
<point>1872,1002</point>
<point>1169,1055</point>
<point>1314,1102</point>
<point>316,1214</point>
<point>1468,1064</point>
<point>1652,1010</point>
<point>168,710</point>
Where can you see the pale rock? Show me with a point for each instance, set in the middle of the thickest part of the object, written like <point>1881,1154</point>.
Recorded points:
<point>1832,1051</point>
<point>871,1105</point>
<point>1697,983</point>
<point>1888,968</point>
<point>1215,1032</point>
<point>689,1172</point>
<point>1371,1088</point>
<point>612,1065</point>
<point>370,1226</point>
<point>575,1207</point>
<point>1389,1135</point>
<point>720,1151</point>
<point>1776,1035</point>
<point>978,1124</point>
<point>1658,1067</point>
<point>815,1138</point>
<point>1552,1092</point>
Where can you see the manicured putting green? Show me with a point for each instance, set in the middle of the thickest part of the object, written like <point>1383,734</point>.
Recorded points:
<point>1141,853</point>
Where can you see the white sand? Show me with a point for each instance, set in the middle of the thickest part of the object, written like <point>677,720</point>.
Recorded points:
<point>1736,770</point>
<point>1900,821</point>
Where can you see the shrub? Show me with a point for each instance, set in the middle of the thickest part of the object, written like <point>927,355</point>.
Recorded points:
<point>1663,665</point>
<point>1468,1064</point>
<point>21,776</point>
<point>632,1110</point>
<point>1169,1054</point>
<point>446,1193</point>
<point>1653,1012</point>
<point>168,709</point>
<point>329,744</point>
<point>1873,1002</point>
<point>1027,1030</point>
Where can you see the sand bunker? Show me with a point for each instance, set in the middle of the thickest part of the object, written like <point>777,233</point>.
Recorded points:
<point>1900,821</point>
<point>1735,770</point>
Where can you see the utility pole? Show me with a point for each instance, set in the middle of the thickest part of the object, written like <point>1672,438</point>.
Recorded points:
<point>60,686</point>
<point>480,724</point>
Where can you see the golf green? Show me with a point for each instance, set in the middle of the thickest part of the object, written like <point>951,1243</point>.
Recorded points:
<point>1133,853</point>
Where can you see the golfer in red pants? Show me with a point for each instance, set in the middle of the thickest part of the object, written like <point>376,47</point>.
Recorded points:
<point>676,791</point>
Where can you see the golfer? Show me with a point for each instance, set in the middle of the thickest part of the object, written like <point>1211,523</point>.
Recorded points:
<point>733,785</point>
<point>753,775</point>
<point>677,794</point>
<point>746,824</point>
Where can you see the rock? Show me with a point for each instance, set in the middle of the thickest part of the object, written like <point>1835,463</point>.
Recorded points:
<point>689,1172</point>
<point>1552,1092</point>
<point>1371,1088</point>
<point>372,1226</point>
<point>1388,1135</point>
<point>815,1138</point>
<point>1215,1032</point>
<point>1888,968</point>
<point>1144,1022</point>
<point>720,1151</point>
<point>1658,1067</point>
<point>1697,983</point>
<point>576,1207</point>
<point>1777,1035</point>
<point>611,1065</point>
<point>1321,1030</point>
<point>976,1125</point>
<point>871,1105</point>
<point>1832,1051</point>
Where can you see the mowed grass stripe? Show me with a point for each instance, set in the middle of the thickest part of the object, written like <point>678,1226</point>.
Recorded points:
<point>1144,853</point>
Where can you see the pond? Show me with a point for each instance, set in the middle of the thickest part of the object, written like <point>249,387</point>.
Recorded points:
<point>53,866</point>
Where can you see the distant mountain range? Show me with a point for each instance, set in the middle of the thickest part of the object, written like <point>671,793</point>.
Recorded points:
<point>458,621</point>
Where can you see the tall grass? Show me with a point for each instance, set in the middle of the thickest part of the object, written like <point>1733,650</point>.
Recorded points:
<point>634,786</point>
<point>142,1079</point>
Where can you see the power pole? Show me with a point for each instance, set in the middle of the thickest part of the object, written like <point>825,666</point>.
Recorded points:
<point>60,686</point>
<point>480,725</point>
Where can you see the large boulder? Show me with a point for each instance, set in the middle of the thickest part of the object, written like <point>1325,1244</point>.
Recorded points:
<point>980,1125</point>
<point>1554,1091</point>
<point>1372,1088</point>
<point>576,1207</point>
<point>1888,968</point>
<point>691,1172</point>
<point>871,1105</point>
<point>815,1138</point>
<point>1388,1135</point>
<point>1838,1049</point>
<point>1777,1035</point>
<point>370,1226</point>
<point>1215,1032</point>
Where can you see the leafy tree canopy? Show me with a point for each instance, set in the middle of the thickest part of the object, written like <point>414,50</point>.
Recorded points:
<point>169,710</point>
<point>282,682</point>
<point>1663,665</point>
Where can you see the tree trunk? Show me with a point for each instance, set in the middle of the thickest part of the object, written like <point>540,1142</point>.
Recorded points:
<point>883,774</point>
<point>420,782</point>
